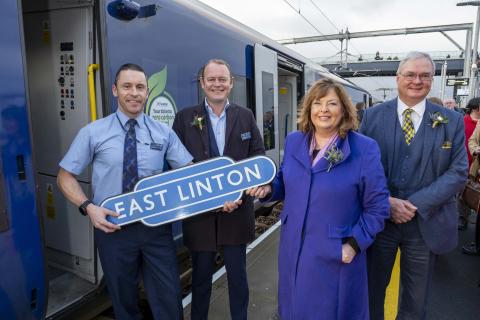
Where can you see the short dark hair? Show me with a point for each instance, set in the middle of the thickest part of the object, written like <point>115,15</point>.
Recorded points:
<point>473,104</point>
<point>216,61</point>
<point>129,66</point>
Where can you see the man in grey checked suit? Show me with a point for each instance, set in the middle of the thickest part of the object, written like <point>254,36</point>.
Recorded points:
<point>425,162</point>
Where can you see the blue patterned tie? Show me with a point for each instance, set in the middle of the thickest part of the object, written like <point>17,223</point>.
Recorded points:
<point>130,168</point>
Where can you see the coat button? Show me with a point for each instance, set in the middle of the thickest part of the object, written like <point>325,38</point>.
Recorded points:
<point>205,153</point>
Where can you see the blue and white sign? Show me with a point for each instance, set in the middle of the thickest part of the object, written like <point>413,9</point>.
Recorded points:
<point>188,191</point>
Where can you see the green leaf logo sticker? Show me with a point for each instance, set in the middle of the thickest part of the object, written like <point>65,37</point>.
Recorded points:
<point>160,104</point>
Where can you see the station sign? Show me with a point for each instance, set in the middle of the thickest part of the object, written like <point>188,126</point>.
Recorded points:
<point>457,82</point>
<point>189,191</point>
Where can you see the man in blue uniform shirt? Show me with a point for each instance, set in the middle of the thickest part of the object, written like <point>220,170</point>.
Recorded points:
<point>122,148</point>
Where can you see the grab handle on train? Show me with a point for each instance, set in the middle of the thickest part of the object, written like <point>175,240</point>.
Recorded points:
<point>91,90</point>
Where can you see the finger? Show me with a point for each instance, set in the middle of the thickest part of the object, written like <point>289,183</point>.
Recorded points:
<point>251,191</point>
<point>110,213</point>
<point>112,226</point>
<point>410,206</point>
<point>238,203</point>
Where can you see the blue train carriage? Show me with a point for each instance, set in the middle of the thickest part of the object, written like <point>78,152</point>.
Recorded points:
<point>58,62</point>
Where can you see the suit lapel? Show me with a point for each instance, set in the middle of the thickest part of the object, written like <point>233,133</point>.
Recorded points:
<point>390,122</point>
<point>200,112</point>
<point>231,114</point>
<point>430,135</point>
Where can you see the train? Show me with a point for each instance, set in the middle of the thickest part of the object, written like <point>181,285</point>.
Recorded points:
<point>58,61</point>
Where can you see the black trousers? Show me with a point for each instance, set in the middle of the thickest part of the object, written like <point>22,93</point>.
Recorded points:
<point>416,269</point>
<point>235,264</point>
<point>150,251</point>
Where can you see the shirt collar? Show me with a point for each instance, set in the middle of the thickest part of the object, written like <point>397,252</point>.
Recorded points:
<point>210,110</point>
<point>124,118</point>
<point>419,108</point>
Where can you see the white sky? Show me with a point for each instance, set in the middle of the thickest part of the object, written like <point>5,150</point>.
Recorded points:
<point>277,20</point>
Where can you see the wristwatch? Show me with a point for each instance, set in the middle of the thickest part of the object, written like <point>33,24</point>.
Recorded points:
<point>83,207</point>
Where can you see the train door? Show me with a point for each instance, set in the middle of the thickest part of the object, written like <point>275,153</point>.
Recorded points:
<point>22,284</point>
<point>287,105</point>
<point>59,48</point>
<point>266,99</point>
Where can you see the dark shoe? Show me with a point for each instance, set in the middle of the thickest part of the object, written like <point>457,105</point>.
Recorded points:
<point>471,249</point>
<point>462,223</point>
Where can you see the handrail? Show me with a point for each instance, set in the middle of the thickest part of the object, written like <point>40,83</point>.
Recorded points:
<point>91,90</point>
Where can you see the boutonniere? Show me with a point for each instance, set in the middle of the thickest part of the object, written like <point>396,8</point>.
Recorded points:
<point>198,121</point>
<point>333,156</point>
<point>438,118</point>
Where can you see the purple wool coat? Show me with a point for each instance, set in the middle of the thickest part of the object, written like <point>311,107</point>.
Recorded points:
<point>321,209</point>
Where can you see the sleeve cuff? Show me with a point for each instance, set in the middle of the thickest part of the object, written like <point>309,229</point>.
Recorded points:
<point>352,242</point>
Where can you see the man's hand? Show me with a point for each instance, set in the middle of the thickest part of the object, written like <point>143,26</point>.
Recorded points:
<point>230,206</point>
<point>348,253</point>
<point>98,217</point>
<point>401,210</point>
<point>259,192</point>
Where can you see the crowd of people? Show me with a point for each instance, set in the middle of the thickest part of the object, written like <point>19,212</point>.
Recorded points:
<point>353,195</point>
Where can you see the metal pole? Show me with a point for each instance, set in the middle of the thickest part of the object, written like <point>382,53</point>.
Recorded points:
<point>467,55</point>
<point>443,80</point>
<point>472,91</point>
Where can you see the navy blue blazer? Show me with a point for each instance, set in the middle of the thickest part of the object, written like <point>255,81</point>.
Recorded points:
<point>436,200</point>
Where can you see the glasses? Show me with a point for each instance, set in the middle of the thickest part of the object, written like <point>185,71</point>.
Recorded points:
<point>412,76</point>
<point>212,80</point>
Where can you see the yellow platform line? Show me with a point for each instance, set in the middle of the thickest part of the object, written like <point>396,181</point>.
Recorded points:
<point>391,296</point>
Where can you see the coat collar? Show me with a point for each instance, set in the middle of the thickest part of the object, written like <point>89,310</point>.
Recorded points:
<point>300,153</point>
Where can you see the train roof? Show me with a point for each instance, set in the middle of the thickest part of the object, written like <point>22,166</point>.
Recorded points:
<point>257,37</point>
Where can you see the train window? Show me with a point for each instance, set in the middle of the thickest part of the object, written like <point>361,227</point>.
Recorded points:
<point>238,95</point>
<point>268,111</point>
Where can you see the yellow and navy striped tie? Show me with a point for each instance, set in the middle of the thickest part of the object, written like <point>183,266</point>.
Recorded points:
<point>407,125</point>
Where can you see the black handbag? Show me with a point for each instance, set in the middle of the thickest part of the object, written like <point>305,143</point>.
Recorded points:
<point>471,195</point>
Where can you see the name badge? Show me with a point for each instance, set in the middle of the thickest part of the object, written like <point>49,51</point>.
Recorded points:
<point>156,146</point>
<point>246,135</point>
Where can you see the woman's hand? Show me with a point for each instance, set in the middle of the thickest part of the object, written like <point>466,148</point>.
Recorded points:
<point>259,192</point>
<point>348,253</point>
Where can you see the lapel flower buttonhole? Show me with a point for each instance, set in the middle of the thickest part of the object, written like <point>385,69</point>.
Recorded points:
<point>198,121</point>
<point>438,118</point>
<point>333,156</point>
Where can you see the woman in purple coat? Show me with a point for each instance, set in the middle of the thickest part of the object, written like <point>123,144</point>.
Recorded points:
<point>335,202</point>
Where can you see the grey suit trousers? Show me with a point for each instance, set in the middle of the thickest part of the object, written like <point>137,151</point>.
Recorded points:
<point>416,270</point>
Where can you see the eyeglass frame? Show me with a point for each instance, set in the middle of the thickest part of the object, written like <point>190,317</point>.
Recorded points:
<point>412,76</point>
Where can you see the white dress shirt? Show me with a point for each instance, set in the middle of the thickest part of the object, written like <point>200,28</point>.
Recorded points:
<point>417,114</point>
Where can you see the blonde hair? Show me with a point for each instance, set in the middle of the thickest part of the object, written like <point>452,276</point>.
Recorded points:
<point>320,89</point>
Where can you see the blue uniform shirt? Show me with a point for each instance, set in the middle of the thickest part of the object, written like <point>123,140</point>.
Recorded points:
<point>219,124</point>
<point>100,143</point>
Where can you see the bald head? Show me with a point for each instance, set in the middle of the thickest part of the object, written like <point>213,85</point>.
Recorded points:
<point>449,103</point>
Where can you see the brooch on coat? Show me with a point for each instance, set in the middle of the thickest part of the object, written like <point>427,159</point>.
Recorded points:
<point>198,121</point>
<point>333,156</point>
<point>438,118</point>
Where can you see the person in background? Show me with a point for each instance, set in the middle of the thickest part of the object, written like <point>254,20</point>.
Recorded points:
<point>474,148</point>
<point>436,101</point>
<point>451,104</point>
<point>118,162</point>
<point>335,202</point>
<point>425,161</point>
<point>470,121</point>
<point>360,106</point>
<point>215,128</point>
